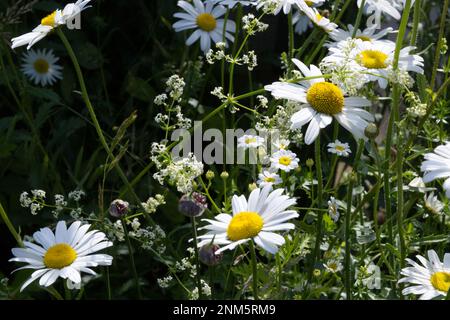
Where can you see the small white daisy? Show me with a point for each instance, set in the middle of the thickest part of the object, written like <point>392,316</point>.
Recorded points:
<point>333,266</point>
<point>204,17</point>
<point>429,280</point>
<point>314,15</point>
<point>249,141</point>
<point>284,160</point>
<point>433,204</point>
<point>322,101</point>
<point>281,144</point>
<point>268,178</point>
<point>50,22</point>
<point>339,148</point>
<point>437,165</point>
<point>333,209</point>
<point>252,220</point>
<point>65,253</point>
<point>40,66</point>
<point>368,34</point>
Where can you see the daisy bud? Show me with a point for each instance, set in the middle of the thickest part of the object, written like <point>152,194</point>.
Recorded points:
<point>224,175</point>
<point>207,255</point>
<point>309,163</point>
<point>118,208</point>
<point>210,175</point>
<point>192,205</point>
<point>371,131</point>
<point>316,272</point>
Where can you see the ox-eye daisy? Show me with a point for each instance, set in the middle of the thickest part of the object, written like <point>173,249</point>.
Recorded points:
<point>252,220</point>
<point>268,178</point>
<point>314,15</point>
<point>437,165</point>
<point>65,253</point>
<point>429,280</point>
<point>40,66</point>
<point>284,160</point>
<point>204,17</point>
<point>50,22</point>
<point>339,148</point>
<point>288,5</point>
<point>322,101</point>
<point>367,34</point>
<point>249,141</point>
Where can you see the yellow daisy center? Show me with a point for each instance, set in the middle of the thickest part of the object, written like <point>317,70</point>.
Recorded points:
<point>49,20</point>
<point>318,17</point>
<point>250,140</point>
<point>364,38</point>
<point>244,225</point>
<point>285,160</point>
<point>325,97</point>
<point>373,59</point>
<point>441,281</point>
<point>41,66</point>
<point>340,148</point>
<point>269,179</point>
<point>206,22</point>
<point>59,256</point>
<point>309,3</point>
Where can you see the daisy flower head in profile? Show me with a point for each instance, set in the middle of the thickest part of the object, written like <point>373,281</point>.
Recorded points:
<point>339,148</point>
<point>248,141</point>
<point>255,219</point>
<point>430,279</point>
<point>41,67</point>
<point>319,20</point>
<point>322,101</point>
<point>64,253</point>
<point>49,23</point>
<point>432,204</point>
<point>231,3</point>
<point>284,160</point>
<point>268,178</point>
<point>368,34</point>
<point>287,5</point>
<point>437,165</point>
<point>204,18</point>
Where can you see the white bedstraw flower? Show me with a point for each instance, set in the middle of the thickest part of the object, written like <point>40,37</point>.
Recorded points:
<point>64,253</point>
<point>429,280</point>
<point>250,141</point>
<point>284,160</point>
<point>50,22</point>
<point>322,101</point>
<point>339,148</point>
<point>268,178</point>
<point>254,219</point>
<point>40,67</point>
<point>437,165</point>
<point>204,18</point>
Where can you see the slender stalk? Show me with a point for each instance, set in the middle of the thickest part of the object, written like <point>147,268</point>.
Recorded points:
<point>347,232</point>
<point>255,270</point>
<point>416,21</point>
<point>10,226</point>
<point>131,254</point>
<point>319,204</point>
<point>54,293</point>
<point>291,42</point>
<point>108,283</point>
<point>358,18</point>
<point>437,55</point>
<point>197,261</point>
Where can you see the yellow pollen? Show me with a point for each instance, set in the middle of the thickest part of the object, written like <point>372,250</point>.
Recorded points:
<point>244,225</point>
<point>269,179</point>
<point>441,281</point>
<point>364,38</point>
<point>41,66</point>
<point>250,140</point>
<point>59,256</point>
<point>206,22</point>
<point>372,59</point>
<point>326,98</point>
<point>49,20</point>
<point>285,160</point>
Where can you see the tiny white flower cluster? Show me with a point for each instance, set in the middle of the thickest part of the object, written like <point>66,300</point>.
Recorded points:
<point>175,87</point>
<point>164,283</point>
<point>182,172</point>
<point>250,59</point>
<point>206,290</point>
<point>269,6</point>
<point>416,109</point>
<point>218,92</point>
<point>118,231</point>
<point>252,25</point>
<point>35,203</point>
<point>60,204</point>
<point>76,195</point>
<point>153,203</point>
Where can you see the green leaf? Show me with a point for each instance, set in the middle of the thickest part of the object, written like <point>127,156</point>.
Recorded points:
<point>122,129</point>
<point>139,88</point>
<point>90,56</point>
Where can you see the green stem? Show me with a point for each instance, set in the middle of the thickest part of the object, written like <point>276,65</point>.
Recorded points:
<point>437,55</point>
<point>255,270</point>
<point>358,18</point>
<point>347,262</point>
<point>291,42</point>
<point>54,293</point>
<point>131,254</point>
<point>197,261</point>
<point>416,21</point>
<point>10,226</point>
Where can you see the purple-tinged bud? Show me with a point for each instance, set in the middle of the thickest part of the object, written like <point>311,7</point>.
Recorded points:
<point>118,208</point>
<point>207,255</point>
<point>192,205</point>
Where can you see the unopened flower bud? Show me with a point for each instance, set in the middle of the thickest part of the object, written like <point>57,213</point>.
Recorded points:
<point>224,175</point>
<point>118,208</point>
<point>192,205</point>
<point>210,175</point>
<point>252,186</point>
<point>371,131</point>
<point>207,255</point>
<point>309,163</point>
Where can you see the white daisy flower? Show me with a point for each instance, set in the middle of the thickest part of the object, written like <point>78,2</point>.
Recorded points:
<point>333,209</point>
<point>374,60</point>
<point>204,17</point>
<point>268,178</point>
<point>249,141</point>
<point>322,101</point>
<point>252,220</point>
<point>437,165</point>
<point>284,160</point>
<point>65,253</point>
<point>367,34</point>
<point>339,148</point>
<point>433,204</point>
<point>333,266</point>
<point>418,185</point>
<point>381,6</point>
<point>287,5</point>
<point>40,66</point>
<point>281,144</point>
<point>429,280</point>
<point>301,22</point>
<point>50,22</point>
<point>314,15</point>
